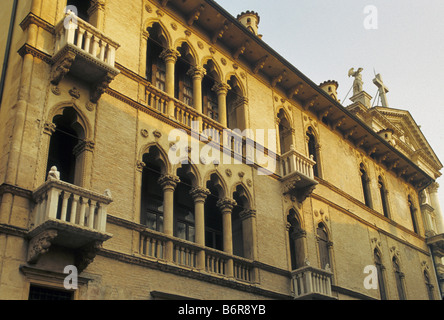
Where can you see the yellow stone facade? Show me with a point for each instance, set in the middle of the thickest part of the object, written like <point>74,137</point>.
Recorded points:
<point>301,230</point>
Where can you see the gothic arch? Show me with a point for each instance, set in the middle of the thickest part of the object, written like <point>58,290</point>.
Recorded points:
<point>293,214</point>
<point>244,194</point>
<point>216,73</point>
<point>192,171</point>
<point>218,181</point>
<point>164,35</point>
<point>81,126</point>
<point>162,157</point>
<point>192,52</point>
<point>239,83</point>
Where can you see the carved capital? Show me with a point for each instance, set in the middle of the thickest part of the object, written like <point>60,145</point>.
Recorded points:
<point>199,194</point>
<point>197,72</point>
<point>40,244</point>
<point>226,205</point>
<point>49,128</point>
<point>170,55</point>
<point>140,165</point>
<point>221,88</point>
<point>169,182</point>
<point>246,214</point>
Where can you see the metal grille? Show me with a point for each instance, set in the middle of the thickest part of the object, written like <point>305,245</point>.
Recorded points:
<point>40,293</point>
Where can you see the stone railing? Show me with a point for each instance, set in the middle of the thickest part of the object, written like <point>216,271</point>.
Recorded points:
<point>309,281</point>
<point>293,161</point>
<point>186,254</point>
<point>78,33</point>
<point>61,201</point>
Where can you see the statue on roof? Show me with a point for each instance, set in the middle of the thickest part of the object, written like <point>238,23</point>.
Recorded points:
<point>358,85</point>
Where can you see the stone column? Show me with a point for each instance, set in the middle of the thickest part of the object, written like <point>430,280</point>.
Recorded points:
<point>221,90</point>
<point>248,218</point>
<point>199,196</point>
<point>434,199</point>
<point>168,183</point>
<point>97,13</point>
<point>84,153</point>
<point>197,73</point>
<point>170,56</point>
<point>226,208</point>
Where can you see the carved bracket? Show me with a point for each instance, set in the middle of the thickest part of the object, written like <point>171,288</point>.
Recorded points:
<point>100,88</point>
<point>62,67</point>
<point>40,244</point>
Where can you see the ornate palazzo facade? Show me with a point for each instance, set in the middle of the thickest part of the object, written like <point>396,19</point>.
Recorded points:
<point>278,191</point>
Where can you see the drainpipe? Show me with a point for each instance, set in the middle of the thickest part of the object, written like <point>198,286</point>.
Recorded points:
<point>7,49</point>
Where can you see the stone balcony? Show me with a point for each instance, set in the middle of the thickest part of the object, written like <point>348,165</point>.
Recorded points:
<point>85,52</point>
<point>68,216</point>
<point>297,174</point>
<point>310,283</point>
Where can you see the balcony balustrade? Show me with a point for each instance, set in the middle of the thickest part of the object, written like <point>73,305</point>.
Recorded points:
<point>186,254</point>
<point>311,283</point>
<point>68,216</point>
<point>84,51</point>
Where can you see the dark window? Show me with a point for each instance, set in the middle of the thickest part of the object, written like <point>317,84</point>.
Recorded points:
<point>399,276</point>
<point>184,210</point>
<point>295,233</point>
<point>365,181</point>
<point>312,151</point>
<point>82,7</point>
<point>384,199</point>
<point>323,244</point>
<point>380,269</point>
<point>413,215</point>
<point>41,293</point>
<point>213,220</point>
<point>155,65</point>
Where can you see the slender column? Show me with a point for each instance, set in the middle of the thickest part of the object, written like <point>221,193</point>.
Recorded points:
<point>197,73</point>
<point>168,183</point>
<point>97,13</point>
<point>199,196</point>
<point>221,90</point>
<point>434,199</point>
<point>249,235</point>
<point>170,56</point>
<point>226,207</point>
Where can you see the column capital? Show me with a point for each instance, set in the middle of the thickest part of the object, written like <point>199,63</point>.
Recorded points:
<point>433,188</point>
<point>248,213</point>
<point>170,55</point>
<point>49,128</point>
<point>221,88</point>
<point>169,181</point>
<point>199,194</point>
<point>226,205</point>
<point>197,72</point>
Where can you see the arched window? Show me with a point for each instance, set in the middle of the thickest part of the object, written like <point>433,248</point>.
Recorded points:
<point>213,217</point>
<point>323,246</point>
<point>399,276</point>
<point>152,192</point>
<point>66,146</point>
<point>82,8</point>
<point>235,105</point>
<point>313,151</point>
<point>365,182</point>
<point>295,238</point>
<point>209,96</point>
<point>184,220</point>
<point>412,210</point>
<point>285,132</point>
<point>380,269</point>
<point>429,285</point>
<point>155,65</point>
<point>184,82</point>
<point>384,198</point>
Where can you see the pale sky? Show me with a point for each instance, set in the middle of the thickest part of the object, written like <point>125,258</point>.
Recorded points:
<point>325,38</point>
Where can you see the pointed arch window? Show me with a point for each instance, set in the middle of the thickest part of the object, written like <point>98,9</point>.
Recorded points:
<point>67,147</point>
<point>380,270</point>
<point>184,219</point>
<point>399,277</point>
<point>412,210</point>
<point>429,285</point>
<point>285,132</point>
<point>213,217</point>
<point>155,65</point>
<point>152,193</point>
<point>209,96</point>
<point>365,182</point>
<point>323,246</point>
<point>295,237</point>
<point>313,151</point>
<point>184,82</point>
<point>384,198</point>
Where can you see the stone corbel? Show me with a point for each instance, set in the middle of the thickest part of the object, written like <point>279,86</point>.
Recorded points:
<point>220,33</point>
<point>62,67</point>
<point>260,64</point>
<point>350,132</point>
<point>40,245</point>
<point>295,90</point>
<point>195,15</point>
<point>338,123</point>
<point>100,88</point>
<point>278,79</point>
<point>311,102</point>
<point>300,194</point>
<point>241,50</point>
<point>85,256</point>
